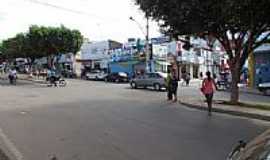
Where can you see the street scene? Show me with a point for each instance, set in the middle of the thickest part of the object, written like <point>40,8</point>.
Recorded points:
<point>134,80</point>
<point>112,121</point>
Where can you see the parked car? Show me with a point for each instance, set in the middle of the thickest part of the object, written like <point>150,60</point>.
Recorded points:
<point>264,87</point>
<point>96,75</point>
<point>117,77</point>
<point>257,149</point>
<point>156,80</point>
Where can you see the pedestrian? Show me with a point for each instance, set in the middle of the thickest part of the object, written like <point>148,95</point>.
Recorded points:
<point>201,75</point>
<point>174,87</point>
<point>187,79</point>
<point>169,86</point>
<point>208,89</point>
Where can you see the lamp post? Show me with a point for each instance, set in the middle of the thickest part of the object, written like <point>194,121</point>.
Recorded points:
<point>149,67</point>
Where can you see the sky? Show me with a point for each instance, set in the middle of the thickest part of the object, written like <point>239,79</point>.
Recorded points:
<point>96,19</point>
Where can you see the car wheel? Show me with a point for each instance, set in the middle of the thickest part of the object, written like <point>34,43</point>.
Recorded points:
<point>96,78</point>
<point>157,87</point>
<point>264,92</point>
<point>62,83</point>
<point>117,80</point>
<point>133,85</point>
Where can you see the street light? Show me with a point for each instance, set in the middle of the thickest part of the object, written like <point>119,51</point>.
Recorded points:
<point>148,57</point>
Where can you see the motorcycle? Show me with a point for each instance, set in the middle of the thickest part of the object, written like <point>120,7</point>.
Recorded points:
<point>56,81</point>
<point>12,79</point>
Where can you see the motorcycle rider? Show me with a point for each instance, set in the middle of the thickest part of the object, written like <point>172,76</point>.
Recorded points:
<point>12,76</point>
<point>52,77</point>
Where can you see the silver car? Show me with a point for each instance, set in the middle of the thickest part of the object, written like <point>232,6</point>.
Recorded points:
<point>96,75</point>
<point>156,80</point>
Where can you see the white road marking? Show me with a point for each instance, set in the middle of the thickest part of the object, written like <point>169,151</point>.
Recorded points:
<point>10,146</point>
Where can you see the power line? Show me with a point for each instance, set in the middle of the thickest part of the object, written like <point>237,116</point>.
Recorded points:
<point>66,9</point>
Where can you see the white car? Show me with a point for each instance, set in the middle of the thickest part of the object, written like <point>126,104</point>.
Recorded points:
<point>96,75</point>
<point>264,87</point>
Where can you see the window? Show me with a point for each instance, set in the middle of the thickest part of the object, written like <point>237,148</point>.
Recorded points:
<point>153,75</point>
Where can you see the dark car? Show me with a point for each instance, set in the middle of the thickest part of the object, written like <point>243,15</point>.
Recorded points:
<point>257,149</point>
<point>117,77</point>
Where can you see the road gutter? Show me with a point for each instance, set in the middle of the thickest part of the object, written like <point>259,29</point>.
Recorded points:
<point>230,112</point>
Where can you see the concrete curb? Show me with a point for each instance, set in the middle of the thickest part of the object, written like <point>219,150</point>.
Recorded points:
<point>233,113</point>
<point>31,80</point>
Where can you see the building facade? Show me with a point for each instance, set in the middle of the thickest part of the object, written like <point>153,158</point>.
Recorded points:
<point>96,55</point>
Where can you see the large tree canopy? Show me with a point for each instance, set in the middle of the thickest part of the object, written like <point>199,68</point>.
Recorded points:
<point>55,40</point>
<point>240,26</point>
<point>42,41</point>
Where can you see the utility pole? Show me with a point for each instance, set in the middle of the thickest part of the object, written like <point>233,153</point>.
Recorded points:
<point>148,56</point>
<point>147,52</point>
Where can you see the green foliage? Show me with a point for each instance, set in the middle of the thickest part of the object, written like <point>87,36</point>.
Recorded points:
<point>243,22</point>
<point>55,40</point>
<point>42,41</point>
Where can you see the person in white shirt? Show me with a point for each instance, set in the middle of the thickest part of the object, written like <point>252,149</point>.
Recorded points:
<point>12,75</point>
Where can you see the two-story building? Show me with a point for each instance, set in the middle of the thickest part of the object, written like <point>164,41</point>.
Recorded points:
<point>96,55</point>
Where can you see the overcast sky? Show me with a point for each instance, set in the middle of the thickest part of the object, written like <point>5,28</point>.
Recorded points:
<point>96,19</point>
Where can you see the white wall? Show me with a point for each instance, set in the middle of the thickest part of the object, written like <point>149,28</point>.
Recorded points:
<point>95,51</point>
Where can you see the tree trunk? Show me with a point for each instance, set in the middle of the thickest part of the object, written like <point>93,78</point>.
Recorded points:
<point>235,71</point>
<point>50,61</point>
<point>31,62</point>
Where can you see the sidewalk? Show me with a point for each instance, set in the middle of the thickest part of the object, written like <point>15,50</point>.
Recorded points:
<point>242,89</point>
<point>25,77</point>
<point>193,98</point>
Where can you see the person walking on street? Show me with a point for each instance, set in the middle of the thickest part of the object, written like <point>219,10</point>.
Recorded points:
<point>208,89</point>
<point>169,86</point>
<point>174,87</point>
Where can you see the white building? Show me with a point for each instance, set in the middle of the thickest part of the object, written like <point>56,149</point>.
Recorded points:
<point>199,59</point>
<point>96,55</point>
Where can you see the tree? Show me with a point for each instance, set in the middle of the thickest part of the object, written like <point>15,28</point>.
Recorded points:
<point>20,47</point>
<point>42,41</point>
<point>239,26</point>
<point>1,52</point>
<point>53,41</point>
<point>11,47</point>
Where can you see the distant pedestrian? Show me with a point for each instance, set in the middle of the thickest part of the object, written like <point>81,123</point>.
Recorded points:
<point>174,87</point>
<point>208,89</point>
<point>169,86</point>
<point>201,75</point>
<point>187,79</point>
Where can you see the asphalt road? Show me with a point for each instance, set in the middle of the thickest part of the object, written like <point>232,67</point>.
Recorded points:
<point>101,121</point>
